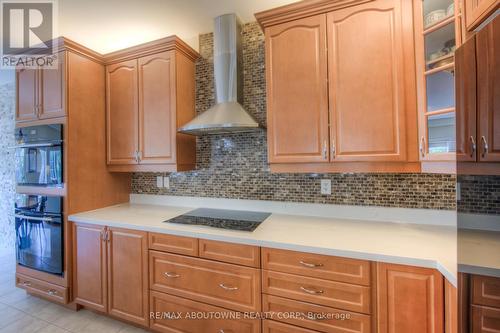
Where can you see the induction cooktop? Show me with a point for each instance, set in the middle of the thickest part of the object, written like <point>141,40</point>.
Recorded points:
<point>222,218</point>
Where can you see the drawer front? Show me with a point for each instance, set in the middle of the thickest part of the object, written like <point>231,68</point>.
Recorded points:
<point>316,265</point>
<point>162,304</point>
<point>485,320</point>
<point>269,326</point>
<point>230,286</point>
<point>486,291</point>
<point>41,288</point>
<point>329,293</point>
<point>239,254</point>
<point>315,317</point>
<point>174,244</point>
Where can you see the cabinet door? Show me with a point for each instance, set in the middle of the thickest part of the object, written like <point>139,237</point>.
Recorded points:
<point>297,102</point>
<point>52,90</point>
<point>488,90</point>
<point>157,108</point>
<point>122,112</point>
<point>367,81</point>
<point>410,299</point>
<point>26,94</point>
<point>89,266</point>
<point>465,95</point>
<point>128,275</point>
<point>478,10</point>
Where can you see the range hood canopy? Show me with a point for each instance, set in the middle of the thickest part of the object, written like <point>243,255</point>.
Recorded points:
<point>227,115</point>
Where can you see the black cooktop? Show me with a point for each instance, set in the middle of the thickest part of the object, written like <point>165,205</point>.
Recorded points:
<point>222,218</point>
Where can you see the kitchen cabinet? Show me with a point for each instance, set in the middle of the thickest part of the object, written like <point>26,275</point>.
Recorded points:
<point>41,92</point>
<point>476,11</point>
<point>150,93</point>
<point>297,90</point>
<point>326,107</point>
<point>409,299</point>
<point>110,271</point>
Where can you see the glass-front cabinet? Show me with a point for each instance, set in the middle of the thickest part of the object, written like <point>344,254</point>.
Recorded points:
<point>437,34</point>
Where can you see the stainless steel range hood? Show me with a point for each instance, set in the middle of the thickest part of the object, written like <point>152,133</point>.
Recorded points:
<point>227,116</point>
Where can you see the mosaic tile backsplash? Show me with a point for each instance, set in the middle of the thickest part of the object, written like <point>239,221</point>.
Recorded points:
<point>479,195</point>
<point>235,166</point>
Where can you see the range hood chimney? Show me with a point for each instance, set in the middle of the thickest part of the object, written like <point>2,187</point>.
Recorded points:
<point>227,115</point>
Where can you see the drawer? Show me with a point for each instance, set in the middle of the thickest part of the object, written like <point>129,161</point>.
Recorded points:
<point>239,254</point>
<point>163,304</point>
<point>486,291</point>
<point>41,288</point>
<point>329,293</point>
<point>230,286</point>
<point>269,326</point>
<point>485,319</point>
<point>315,317</point>
<point>174,244</point>
<point>316,265</point>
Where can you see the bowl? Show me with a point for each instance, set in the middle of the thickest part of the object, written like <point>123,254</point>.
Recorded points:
<point>450,10</point>
<point>434,16</point>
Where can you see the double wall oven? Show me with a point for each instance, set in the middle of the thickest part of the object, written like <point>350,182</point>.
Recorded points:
<point>39,219</point>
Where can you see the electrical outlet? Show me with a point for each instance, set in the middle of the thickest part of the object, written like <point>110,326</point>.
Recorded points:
<point>159,181</point>
<point>326,186</point>
<point>166,182</point>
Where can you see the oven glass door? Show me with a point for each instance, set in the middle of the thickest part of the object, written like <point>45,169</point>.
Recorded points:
<point>39,233</point>
<point>39,165</point>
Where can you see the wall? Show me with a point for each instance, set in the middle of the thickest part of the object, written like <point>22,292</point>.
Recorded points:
<point>235,166</point>
<point>7,188</point>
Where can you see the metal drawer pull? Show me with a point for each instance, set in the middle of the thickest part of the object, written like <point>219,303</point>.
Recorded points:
<point>473,146</point>
<point>312,292</point>
<point>171,275</point>
<point>303,263</point>
<point>223,286</point>
<point>27,284</point>
<point>52,292</point>
<point>485,146</point>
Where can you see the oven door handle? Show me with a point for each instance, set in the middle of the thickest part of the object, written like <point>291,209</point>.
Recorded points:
<point>36,145</point>
<point>34,218</point>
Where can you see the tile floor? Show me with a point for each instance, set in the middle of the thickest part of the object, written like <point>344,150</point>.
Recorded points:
<point>22,313</point>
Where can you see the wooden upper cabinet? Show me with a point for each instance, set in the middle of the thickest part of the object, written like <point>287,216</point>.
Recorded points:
<point>366,75</point>
<point>151,93</point>
<point>52,89</point>
<point>89,266</point>
<point>409,299</point>
<point>488,91</point>
<point>26,94</point>
<point>465,88</point>
<point>157,127</point>
<point>478,10</point>
<point>128,290</point>
<point>297,91</point>
<point>122,114</point>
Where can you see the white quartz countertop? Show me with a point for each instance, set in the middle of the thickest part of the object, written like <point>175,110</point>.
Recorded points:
<point>401,243</point>
<point>479,252</point>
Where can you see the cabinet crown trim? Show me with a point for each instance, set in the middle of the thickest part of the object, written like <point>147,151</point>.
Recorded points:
<point>156,46</point>
<point>302,9</point>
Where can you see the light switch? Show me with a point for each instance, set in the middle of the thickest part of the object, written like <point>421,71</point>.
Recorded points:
<point>159,181</point>
<point>326,186</point>
<point>166,182</point>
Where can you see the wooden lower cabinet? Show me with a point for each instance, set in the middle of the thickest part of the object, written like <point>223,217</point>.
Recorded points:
<point>485,319</point>
<point>479,306</point>
<point>409,299</point>
<point>43,289</point>
<point>211,318</point>
<point>110,271</point>
<point>269,326</point>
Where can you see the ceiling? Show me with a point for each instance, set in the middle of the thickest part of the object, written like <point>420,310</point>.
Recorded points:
<point>109,25</point>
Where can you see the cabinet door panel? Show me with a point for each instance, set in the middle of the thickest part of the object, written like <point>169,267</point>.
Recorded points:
<point>122,113</point>
<point>410,299</point>
<point>297,101</point>
<point>366,75</point>
<point>465,94</point>
<point>26,92</point>
<point>157,125</point>
<point>128,275</point>
<point>89,267</point>
<point>488,90</point>
<point>52,89</point>
<point>485,319</point>
<point>477,10</point>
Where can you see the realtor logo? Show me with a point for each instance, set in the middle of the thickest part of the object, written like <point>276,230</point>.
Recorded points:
<point>27,33</point>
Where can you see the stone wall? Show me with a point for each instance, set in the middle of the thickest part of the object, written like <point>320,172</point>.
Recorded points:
<point>235,166</point>
<point>7,187</point>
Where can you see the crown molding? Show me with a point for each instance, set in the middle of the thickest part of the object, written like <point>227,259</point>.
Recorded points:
<point>302,9</point>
